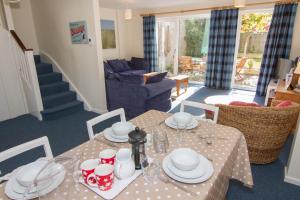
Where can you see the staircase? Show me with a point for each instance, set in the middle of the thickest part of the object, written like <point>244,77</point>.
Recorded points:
<point>57,99</point>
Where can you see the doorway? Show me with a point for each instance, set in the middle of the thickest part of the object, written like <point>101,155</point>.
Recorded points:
<point>183,45</point>
<point>252,34</point>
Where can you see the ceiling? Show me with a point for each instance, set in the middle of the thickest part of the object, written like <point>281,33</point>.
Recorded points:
<point>151,4</point>
<point>144,4</point>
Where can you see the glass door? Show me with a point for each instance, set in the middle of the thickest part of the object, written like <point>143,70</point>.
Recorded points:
<point>252,35</point>
<point>167,36</point>
<point>193,45</point>
<point>183,45</point>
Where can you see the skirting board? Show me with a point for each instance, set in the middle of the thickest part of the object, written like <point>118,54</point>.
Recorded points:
<point>290,180</point>
<point>96,110</point>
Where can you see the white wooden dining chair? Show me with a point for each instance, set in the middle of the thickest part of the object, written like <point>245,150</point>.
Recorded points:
<point>103,117</point>
<point>17,150</point>
<point>202,106</point>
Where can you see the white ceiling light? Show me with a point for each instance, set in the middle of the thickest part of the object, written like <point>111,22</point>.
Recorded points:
<point>239,3</point>
<point>128,14</point>
<point>13,1</point>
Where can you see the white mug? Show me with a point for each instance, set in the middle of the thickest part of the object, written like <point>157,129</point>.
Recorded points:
<point>124,166</point>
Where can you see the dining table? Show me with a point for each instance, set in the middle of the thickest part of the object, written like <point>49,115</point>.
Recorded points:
<point>227,151</point>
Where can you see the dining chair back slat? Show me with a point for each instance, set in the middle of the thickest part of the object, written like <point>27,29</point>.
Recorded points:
<point>202,106</point>
<point>17,150</point>
<point>103,117</point>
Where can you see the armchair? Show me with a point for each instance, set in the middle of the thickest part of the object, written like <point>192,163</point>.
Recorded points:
<point>265,128</point>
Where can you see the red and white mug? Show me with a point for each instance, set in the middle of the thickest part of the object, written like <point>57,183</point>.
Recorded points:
<point>87,169</point>
<point>104,176</point>
<point>107,156</point>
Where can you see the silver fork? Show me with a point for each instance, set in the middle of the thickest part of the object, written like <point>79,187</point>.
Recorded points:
<point>106,142</point>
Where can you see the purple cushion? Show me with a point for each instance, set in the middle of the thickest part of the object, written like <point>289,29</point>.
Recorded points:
<point>119,65</point>
<point>156,78</point>
<point>133,72</point>
<point>138,63</point>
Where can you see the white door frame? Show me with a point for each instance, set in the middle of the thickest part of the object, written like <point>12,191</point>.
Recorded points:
<point>238,35</point>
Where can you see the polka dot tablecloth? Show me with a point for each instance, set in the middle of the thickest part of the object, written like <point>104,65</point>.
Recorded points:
<point>228,153</point>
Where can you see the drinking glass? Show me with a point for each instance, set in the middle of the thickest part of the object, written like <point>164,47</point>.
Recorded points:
<point>151,171</point>
<point>160,141</point>
<point>180,130</point>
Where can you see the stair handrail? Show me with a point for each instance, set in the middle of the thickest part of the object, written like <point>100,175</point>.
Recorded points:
<point>19,41</point>
<point>26,67</point>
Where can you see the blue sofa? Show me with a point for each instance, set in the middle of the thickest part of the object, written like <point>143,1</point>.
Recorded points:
<point>126,89</point>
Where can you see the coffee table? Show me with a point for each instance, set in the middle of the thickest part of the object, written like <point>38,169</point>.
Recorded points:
<point>181,79</point>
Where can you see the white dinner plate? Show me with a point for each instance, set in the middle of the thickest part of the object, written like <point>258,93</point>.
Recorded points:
<point>9,187</point>
<point>208,171</point>
<point>109,135</point>
<point>21,189</point>
<point>171,123</point>
<point>195,173</point>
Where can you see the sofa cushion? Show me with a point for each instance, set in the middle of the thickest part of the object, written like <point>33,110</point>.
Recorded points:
<point>119,65</point>
<point>154,89</point>
<point>131,79</point>
<point>241,103</point>
<point>156,78</point>
<point>138,64</point>
<point>284,104</point>
<point>133,72</point>
<point>108,71</point>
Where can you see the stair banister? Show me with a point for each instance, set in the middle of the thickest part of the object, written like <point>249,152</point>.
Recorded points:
<point>27,71</point>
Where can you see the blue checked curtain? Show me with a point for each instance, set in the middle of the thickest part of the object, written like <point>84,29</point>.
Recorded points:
<point>221,49</point>
<point>150,46</point>
<point>278,44</point>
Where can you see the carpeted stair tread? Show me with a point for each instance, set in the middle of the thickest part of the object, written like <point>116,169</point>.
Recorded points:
<point>54,88</point>
<point>49,78</point>
<point>43,68</point>
<point>58,99</point>
<point>37,59</point>
<point>62,107</point>
<point>62,110</point>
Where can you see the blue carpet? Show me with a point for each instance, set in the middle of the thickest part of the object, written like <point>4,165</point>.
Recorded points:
<point>268,179</point>
<point>70,131</point>
<point>64,133</point>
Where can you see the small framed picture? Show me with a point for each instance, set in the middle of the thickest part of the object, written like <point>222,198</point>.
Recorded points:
<point>78,32</point>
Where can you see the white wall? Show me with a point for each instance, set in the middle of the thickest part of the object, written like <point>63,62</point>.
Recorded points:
<point>12,99</point>
<point>81,62</point>
<point>295,51</point>
<point>129,34</point>
<point>2,18</point>
<point>23,23</point>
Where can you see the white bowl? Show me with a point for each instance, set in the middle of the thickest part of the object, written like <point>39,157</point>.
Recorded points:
<point>122,128</point>
<point>185,159</point>
<point>182,118</point>
<point>26,175</point>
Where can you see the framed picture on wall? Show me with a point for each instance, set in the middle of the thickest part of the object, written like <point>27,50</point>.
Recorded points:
<point>108,34</point>
<point>79,32</point>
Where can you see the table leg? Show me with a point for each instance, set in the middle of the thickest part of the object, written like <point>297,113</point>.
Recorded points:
<point>186,82</point>
<point>177,87</point>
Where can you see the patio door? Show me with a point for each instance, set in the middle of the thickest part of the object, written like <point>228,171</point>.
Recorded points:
<point>183,45</point>
<point>251,37</point>
<point>167,36</point>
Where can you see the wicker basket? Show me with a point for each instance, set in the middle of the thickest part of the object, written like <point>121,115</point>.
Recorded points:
<point>265,128</point>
